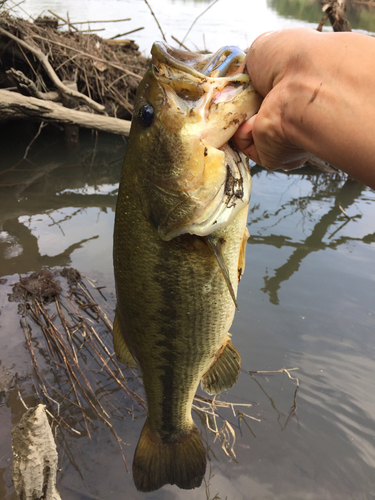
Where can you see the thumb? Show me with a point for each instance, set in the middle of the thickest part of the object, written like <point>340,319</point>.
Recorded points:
<point>243,138</point>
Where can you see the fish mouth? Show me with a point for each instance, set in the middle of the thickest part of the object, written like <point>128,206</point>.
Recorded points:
<point>198,84</point>
<point>213,100</point>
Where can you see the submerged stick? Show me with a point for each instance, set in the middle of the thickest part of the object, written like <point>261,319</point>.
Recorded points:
<point>343,211</point>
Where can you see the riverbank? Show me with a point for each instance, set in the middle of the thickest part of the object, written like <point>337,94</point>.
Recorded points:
<point>70,77</point>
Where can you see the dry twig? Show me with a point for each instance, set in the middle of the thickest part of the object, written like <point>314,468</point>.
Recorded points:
<point>196,19</point>
<point>181,44</point>
<point>51,73</point>
<point>225,434</point>
<point>66,341</point>
<point>106,72</point>
<point>287,371</point>
<point>156,19</point>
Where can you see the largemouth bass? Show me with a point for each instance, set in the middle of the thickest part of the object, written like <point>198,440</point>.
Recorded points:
<point>179,249</point>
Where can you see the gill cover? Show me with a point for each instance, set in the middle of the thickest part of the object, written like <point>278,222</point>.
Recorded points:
<point>194,181</point>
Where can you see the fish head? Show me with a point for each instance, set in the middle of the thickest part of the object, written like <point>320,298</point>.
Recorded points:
<point>188,106</point>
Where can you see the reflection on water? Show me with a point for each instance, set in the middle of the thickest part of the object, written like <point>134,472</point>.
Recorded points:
<point>321,237</point>
<point>307,10</point>
<point>50,208</point>
<point>306,301</point>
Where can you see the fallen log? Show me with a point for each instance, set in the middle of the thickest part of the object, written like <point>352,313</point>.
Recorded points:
<point>17,106</point>
<point>336,12</point>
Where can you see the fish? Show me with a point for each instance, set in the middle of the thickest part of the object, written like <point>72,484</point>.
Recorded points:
<point>179,249</point>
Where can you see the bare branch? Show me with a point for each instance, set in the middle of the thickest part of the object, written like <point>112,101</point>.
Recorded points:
<point>157,22</point>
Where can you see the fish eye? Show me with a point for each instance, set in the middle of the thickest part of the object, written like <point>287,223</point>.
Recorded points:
<point>146,115</point>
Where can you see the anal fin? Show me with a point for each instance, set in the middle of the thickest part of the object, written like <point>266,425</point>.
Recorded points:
<point>122,352</point>
<point>223,373</point>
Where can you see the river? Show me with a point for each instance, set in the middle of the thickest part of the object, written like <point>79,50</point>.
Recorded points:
<point>306,300</point>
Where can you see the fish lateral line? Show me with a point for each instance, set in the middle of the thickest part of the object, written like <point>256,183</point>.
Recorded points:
<point>216,250</point>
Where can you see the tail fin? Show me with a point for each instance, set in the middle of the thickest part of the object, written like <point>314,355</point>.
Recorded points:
<point>157,462</point>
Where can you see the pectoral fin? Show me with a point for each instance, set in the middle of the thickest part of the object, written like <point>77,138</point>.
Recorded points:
<point>216,250</point>
<point>122,352</point>
<point>224,372</point>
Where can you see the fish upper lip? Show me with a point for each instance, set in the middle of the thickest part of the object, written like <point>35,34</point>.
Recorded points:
<point>162,52</point>
<point>189,63</point>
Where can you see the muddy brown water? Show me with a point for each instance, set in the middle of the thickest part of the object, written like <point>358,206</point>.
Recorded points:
<point>306,301</point>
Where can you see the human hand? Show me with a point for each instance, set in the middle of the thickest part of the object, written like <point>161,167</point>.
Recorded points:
<point>273,63</point>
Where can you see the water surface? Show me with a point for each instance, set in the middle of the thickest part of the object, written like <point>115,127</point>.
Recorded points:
<point>225,23</point>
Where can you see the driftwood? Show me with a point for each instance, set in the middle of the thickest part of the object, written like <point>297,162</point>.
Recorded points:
<point>14,105</point>
<point>35,457</point>
<point>335,11</point>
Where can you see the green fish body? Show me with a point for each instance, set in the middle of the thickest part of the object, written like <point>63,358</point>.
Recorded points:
<point>179,252</point>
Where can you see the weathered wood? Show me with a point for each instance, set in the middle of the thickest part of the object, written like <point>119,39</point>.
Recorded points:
<point>336,12</point>
<point>16,106</point>
<point>27,85</point>
<point>35,457</point>
<point>370,3</point>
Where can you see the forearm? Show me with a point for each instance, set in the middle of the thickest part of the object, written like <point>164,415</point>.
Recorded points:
<point>331,105</point>
<point>319,93</point>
